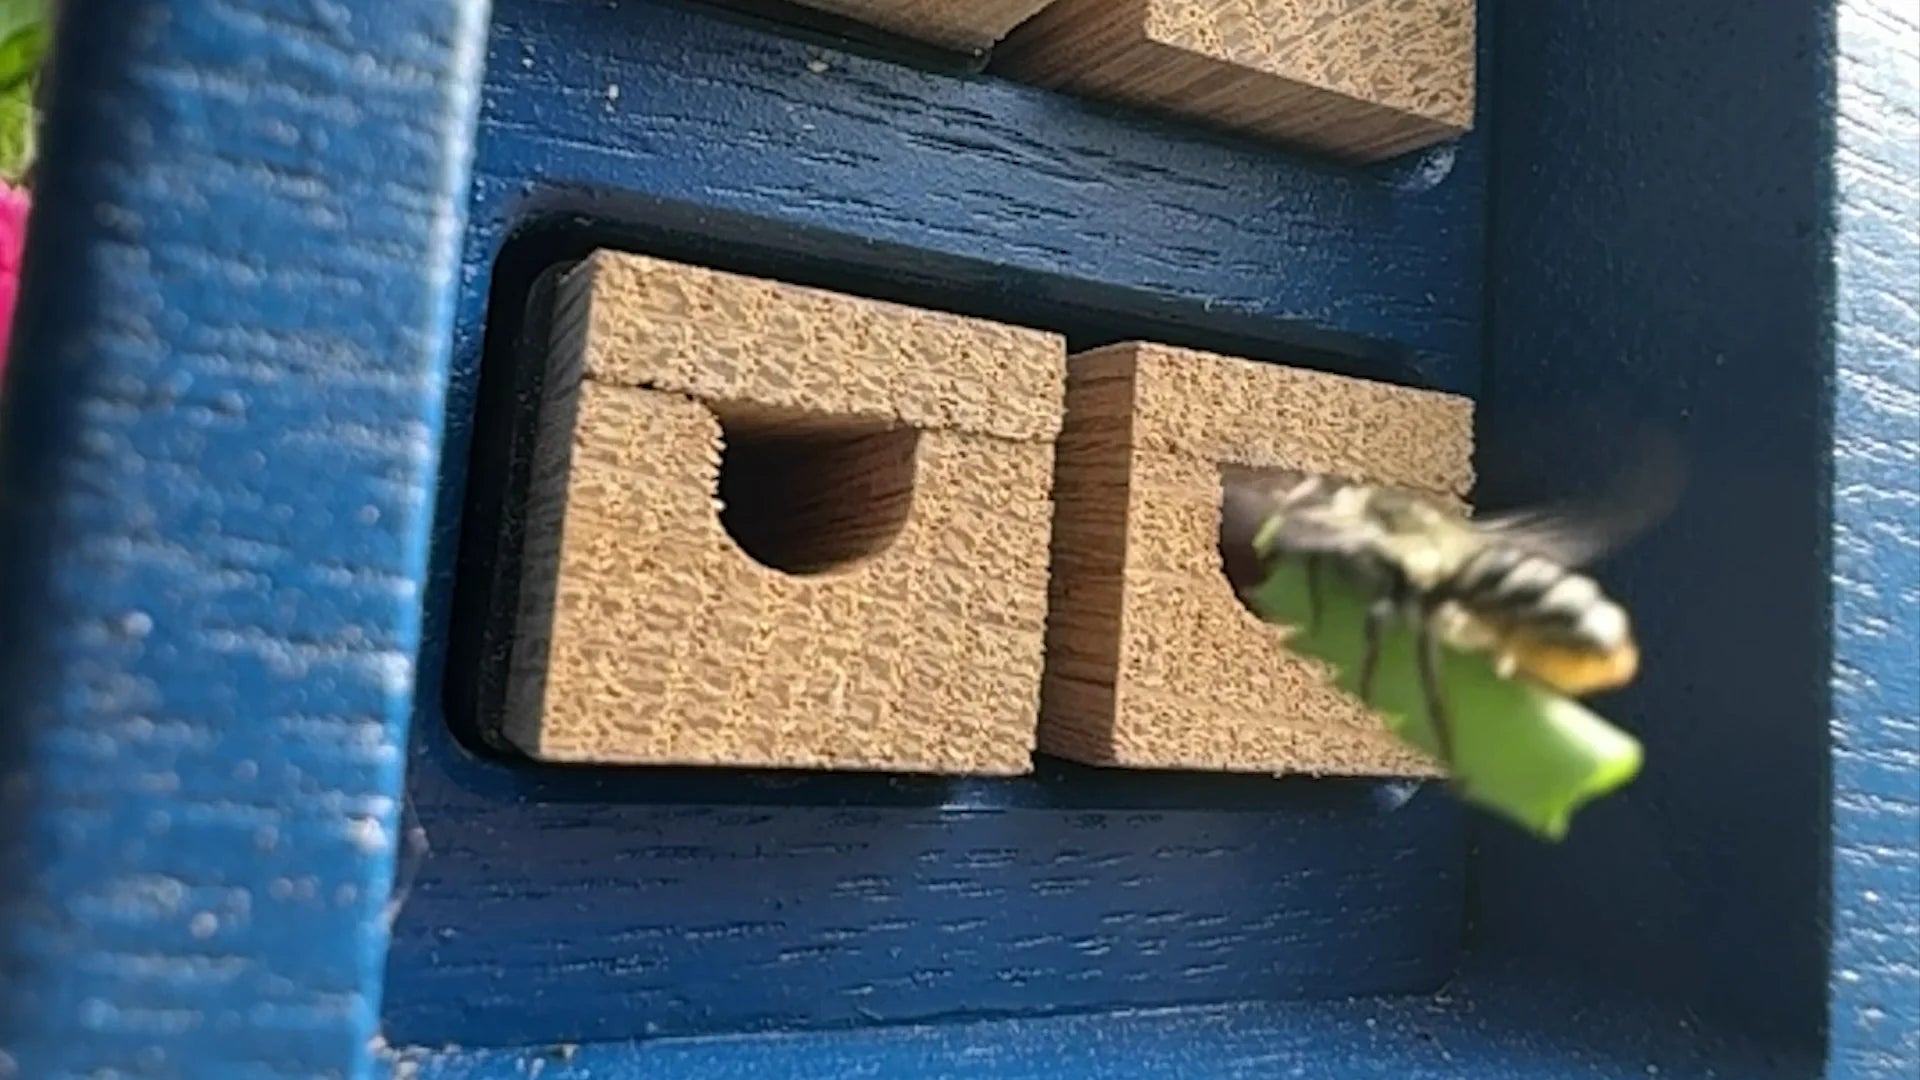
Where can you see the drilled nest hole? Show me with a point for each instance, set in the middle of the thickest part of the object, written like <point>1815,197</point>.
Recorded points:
<point>806,493</point>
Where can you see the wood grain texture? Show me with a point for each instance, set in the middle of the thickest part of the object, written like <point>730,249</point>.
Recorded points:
<point>967,25</point>
<point>682,920</point>
<point>1359,80</point>
<point>220,433</point>
<point>650,635</point>
<point>975,196</point>
<point>650,120</point>
<point>1491,1030</point>
<point>1874,1009</point>
<point>212,555</point>
<point>1151,659</point>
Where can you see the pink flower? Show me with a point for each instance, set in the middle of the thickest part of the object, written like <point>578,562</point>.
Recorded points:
<point>14,204</point>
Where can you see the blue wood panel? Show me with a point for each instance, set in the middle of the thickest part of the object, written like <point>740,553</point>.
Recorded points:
<point>220,433</point>
<point>1665,249</point>
<point>554,904</point>
<point>969,190</point>
<point>223,411</point>
<point>1499,1030</point>
<point>1873,1018</point>
<point>624,921</point>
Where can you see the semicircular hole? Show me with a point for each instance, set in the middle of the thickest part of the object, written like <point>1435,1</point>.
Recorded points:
<point>1242,509</point>
<point>805,493</point>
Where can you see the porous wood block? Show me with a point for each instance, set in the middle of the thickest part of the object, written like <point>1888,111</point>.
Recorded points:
<point>966,25</point>
<point>1152,660</point>
<point>1359,80</point>
<point>895,464</point>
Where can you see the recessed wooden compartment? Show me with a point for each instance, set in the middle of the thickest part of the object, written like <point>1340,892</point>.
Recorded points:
<point>775,526</point>
<point>1152,661</point>
<point>1360,80</point>
<point>963,25</point>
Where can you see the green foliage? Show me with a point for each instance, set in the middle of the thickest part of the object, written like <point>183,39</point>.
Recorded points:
<point>17,144</point>
<point>1520,751</point>
<point>23,48</point>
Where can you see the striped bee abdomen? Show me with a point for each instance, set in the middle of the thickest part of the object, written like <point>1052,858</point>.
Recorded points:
<point>1552,604</point>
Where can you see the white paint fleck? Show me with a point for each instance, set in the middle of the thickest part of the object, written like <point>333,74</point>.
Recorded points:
<point>367,835</point>
<point>819,66</point>
<point>392,670</point>
<point>613,92</point>
<point>204,925</point>
<point>136,624</point>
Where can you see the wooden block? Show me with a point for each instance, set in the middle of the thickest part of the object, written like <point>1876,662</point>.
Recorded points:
<point>887,471</point>
<point>1360,80</point>
<point>1152,660</point>
<point>967,25</point>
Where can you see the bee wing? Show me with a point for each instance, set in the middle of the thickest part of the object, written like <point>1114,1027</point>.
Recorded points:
<point>1578,532</point>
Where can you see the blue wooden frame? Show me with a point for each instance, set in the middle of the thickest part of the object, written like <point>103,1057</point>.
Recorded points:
<point>251,325</point>
<point>513,921</point>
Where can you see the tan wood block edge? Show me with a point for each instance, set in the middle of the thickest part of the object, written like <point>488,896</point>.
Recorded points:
<point>966,25</point>
<point>888,467</point>
<point>1152,661</point>
<point>1359,80</point>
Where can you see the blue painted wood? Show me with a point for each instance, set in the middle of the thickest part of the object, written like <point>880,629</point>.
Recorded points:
<point>614,922</point>
<point>1873,1008</point>
<point>1666,242</point>
<point>724,145</point>
<point>978,193</point>
<point>207,694</point>
<point>220,430</point>
<point>1497,1031</point>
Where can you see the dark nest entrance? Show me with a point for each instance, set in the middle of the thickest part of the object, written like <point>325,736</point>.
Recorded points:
<point>806,493</point>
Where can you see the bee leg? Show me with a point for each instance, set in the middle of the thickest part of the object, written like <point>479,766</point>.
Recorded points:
<point>1377,615</point>
<point>1429,649</point>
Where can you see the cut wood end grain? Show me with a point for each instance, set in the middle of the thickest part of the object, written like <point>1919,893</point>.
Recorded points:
<point>870,590</point>
<point>971,26</point>
<point>1362,80</point>
<point>1152,661</point>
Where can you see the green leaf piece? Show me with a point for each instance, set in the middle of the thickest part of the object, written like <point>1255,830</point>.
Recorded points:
<point>21,53</point>
<point>17,120</point>
<point>1522,752</point>
<point>23,49</point>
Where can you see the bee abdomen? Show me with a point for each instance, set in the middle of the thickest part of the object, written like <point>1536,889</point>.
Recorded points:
<point>1505,578</point>
<point>1549,599</point>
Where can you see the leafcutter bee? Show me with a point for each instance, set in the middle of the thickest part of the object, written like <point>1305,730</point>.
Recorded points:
<point>1507,585</point>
